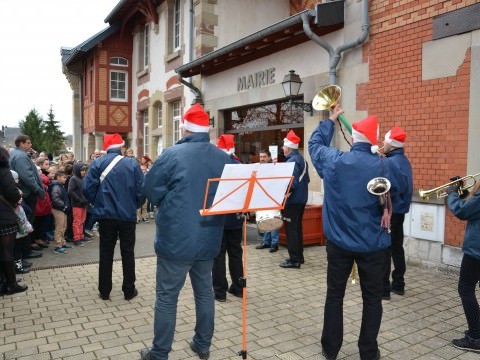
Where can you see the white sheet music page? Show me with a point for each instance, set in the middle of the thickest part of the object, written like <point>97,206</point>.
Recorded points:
<point>268,192</point>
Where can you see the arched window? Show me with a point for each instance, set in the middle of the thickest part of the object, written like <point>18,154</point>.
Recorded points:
<point>118,61</point>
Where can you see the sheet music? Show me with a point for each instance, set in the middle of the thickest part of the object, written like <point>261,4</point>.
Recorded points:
<point>272,194</point>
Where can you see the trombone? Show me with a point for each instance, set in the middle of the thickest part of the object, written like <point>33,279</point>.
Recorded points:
<point>441,191</point>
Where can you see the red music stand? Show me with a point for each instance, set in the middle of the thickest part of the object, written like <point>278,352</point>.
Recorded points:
<point>244,195</point>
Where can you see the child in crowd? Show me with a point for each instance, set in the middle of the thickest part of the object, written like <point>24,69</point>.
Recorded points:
<point>43,223</point>
<point>78,202</point>
<point>60,206</point>
<point>68,169</point>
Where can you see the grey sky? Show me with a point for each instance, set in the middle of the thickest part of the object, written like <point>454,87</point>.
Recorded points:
<point>32,33</point>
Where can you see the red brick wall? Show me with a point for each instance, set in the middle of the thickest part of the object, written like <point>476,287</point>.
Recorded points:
<point>434,113</point>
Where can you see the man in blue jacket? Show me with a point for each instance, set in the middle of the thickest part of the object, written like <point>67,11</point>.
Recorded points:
<point>185,242</point>
<point>114,186</point>
<point>401,194</point>
<point>31,186</point>
<point>296,201</point>
<point>352,219</point>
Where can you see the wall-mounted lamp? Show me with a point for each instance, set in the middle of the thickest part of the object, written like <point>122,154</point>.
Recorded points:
<point>291,87</point>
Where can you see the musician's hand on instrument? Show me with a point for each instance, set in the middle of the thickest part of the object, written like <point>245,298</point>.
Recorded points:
<point>455,187</point>
<point>337,110</point>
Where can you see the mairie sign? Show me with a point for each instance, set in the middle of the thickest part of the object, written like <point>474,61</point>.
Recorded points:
<point>258,79</point>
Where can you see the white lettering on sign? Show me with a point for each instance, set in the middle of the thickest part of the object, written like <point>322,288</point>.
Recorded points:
<point>258,79</point>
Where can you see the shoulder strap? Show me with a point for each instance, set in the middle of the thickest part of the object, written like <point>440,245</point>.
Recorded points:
<point>110,166</point>
<point>304,170</point>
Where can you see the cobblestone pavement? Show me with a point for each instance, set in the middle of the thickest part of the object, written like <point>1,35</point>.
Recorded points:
<point>61,316</point>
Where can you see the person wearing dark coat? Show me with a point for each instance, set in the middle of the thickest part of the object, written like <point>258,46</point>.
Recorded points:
<point>296,202</point>
<point>467,207</point>
<point>78,202</point>
<point>114,186</point>
<point>60,207</point>
<point>31,186</point>
<point>185,241</point>
<point>402,180</point>
<point>10,197</point>
<point>355,224</point>
<point>231,243</point>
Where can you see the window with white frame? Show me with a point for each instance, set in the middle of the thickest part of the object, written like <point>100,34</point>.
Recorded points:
<point>118,85</point>
<point>177,117</point>
<point>146,46</point>
<point>118,61</point>
<point>159,115</point>
<point>146,133</point>
<point>176,26</point>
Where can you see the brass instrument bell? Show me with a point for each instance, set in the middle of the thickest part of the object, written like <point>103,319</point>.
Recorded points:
<point>379,186</point>
<point>327,97</point>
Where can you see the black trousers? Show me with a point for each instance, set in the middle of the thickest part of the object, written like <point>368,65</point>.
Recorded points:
<point>397,254</point>
<point>294,230</point>
<point>7,264</point>
<point>110,231</point>
<point>467,283</point>
<point>371,267</point>
<point>231,244</point>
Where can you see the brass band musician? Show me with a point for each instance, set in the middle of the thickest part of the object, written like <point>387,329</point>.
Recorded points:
<point>352,219</point>
<point>401,198</point>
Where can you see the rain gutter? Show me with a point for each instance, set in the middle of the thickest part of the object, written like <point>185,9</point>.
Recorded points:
<point>336,54</point>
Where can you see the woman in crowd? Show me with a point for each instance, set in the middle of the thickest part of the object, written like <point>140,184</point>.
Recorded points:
<point>9,199</point>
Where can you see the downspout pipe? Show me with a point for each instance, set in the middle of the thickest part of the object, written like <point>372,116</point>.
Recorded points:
<point>335,54</point>
<point>194,89</point>
<point>189,84</point>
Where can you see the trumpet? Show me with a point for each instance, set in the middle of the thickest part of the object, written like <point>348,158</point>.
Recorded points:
<point>441,191</point>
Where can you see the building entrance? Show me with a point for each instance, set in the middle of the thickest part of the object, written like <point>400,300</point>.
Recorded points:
<point>258,126</point>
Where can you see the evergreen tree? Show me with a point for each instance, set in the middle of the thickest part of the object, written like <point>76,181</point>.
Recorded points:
<point>54,137</point>
<point>34,127</point>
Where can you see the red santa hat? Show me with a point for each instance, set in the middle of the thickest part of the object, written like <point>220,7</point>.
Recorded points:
<point>292,140</point>
<point>196,119</point>
<point>226,143</point>
<point>396,137</point>
<point>366,130</point>
<point>112,141</point>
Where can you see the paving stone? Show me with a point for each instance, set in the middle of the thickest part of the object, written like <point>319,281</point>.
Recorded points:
<point>61,316</point>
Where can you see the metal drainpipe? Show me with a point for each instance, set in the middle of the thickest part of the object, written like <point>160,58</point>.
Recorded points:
<point>336,54</point>
<point>189,84</point>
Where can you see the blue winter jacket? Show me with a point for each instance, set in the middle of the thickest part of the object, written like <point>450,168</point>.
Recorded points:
<point>351,215</point>
<point>176,183</point>
<point>30,182</point>
<point>299,189</point>
<point>120,194</point>
<point>402,179</point>
<point>468,210</point>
